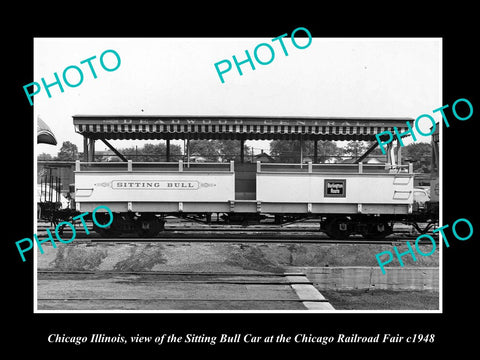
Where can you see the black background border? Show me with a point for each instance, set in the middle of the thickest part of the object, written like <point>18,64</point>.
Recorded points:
<point>460,66</point>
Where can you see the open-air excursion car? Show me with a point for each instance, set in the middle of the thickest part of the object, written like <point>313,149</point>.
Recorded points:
<point>354,198</point>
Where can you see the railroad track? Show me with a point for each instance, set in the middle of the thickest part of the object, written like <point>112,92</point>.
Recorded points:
<point>236,234</point>
<point>154,290</point>
<point>251,241</point>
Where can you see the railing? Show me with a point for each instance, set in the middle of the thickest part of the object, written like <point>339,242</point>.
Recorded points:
<point>130,166</point>
<point>180,166</point>
<point>359,168</point>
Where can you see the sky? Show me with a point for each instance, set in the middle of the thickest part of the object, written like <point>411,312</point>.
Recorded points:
<point>371,77</point>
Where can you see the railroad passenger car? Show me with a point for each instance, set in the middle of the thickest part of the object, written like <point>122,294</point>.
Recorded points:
<point>346,199</point>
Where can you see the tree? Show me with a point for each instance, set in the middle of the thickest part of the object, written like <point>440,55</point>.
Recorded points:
<point>420,154</point>
<point>68,151</point>
<point>158,152</point>
<point>230,149</point>
<point>355,149</point>
<point>287,151</point>
<point>151,152</point>
<point>327,150</point>
<point>207,149</point>
<point>44,156</point>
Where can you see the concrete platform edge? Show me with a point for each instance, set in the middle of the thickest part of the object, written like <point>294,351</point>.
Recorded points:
<point>371,278</point>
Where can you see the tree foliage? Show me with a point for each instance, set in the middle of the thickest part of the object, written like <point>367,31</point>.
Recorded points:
<point>230,149</point>
<point>355,148</point>
<point>420,154</point>
<point>44,156</point>
<point>217,150</point>
<point>68,151</point>
<point>286,151</point>
<point>149,152</point>
<point>209,150</point>
<point>289,151</point>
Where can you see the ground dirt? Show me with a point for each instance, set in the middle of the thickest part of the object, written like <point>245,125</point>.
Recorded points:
<point>382,299</point>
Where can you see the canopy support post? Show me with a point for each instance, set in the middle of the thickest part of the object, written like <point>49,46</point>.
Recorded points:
<point>188,152</point>
<point>301,153</point>
<point>85,149</point>
<point>91,150</point>
<point>242,155</point>
<point>168,150</point>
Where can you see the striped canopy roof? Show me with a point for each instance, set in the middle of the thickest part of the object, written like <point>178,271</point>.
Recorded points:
<point>234,127</point>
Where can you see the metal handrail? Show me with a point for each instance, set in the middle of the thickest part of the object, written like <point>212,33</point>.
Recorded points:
<point>180,165</point>
<point>310,166</point>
